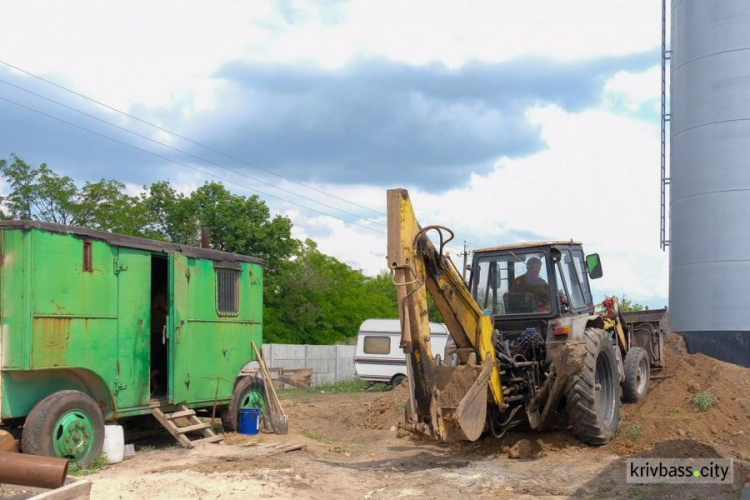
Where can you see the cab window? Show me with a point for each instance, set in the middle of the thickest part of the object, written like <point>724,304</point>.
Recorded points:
<point>570,268</point>
<point>580,264</point>
<point>511,284</point>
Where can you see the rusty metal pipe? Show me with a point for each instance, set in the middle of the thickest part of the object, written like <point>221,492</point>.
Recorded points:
<point>32,470</point>
<point>205,237</point>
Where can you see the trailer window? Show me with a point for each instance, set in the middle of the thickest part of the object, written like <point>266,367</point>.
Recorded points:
<point>227,292</point>
<point>377,345</point>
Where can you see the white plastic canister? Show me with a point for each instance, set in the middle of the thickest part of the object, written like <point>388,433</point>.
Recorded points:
<point>114,443</point>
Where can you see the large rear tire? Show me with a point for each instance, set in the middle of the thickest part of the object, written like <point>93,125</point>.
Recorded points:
<point>248,393</point>
<point>593,395</point>
<point>637,375</point>
<point>65,424</point>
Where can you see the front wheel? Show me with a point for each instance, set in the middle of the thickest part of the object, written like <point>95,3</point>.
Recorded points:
<point>593,395</point>
<point>248,393</point>
<point>637,375</point>
<point>66,424</point>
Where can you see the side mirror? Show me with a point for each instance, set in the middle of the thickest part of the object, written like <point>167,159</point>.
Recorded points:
<point>594,266</point>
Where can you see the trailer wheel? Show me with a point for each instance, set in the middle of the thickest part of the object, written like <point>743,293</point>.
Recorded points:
<point>248,393</point>
<point>397,380</point>
<point>593,395</point>
<point>637,375</point>
<point>65,424</point>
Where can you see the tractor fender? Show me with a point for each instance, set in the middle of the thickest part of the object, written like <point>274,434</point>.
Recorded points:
<point>579,324</point>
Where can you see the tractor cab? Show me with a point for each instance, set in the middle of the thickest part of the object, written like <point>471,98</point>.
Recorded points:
<point>534,280</point>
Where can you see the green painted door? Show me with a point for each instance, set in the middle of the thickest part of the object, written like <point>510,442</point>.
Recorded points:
<point>133,271</point>
<point>179,359</point>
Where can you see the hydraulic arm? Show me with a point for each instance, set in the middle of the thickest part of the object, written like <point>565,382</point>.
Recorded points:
<point>448,402</point>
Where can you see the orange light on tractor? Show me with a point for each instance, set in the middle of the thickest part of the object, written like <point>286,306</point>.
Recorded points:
<point>562,330</point>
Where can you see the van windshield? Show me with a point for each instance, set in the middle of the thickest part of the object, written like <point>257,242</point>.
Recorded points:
<point>512,283</point>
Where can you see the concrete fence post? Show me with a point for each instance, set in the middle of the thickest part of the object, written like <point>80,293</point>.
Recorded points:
<point>336,366</point>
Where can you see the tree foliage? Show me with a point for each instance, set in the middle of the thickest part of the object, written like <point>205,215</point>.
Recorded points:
<point>627,305</point>
<point>39,193</point>
<point>310,297</point>
<point>316,299</point>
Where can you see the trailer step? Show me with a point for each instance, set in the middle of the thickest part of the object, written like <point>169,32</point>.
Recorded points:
<point>193,428</point>
<point>180,414</point>
<point>170,422</point>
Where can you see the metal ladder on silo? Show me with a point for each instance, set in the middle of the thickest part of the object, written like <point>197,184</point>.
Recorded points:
<point>666,56</point>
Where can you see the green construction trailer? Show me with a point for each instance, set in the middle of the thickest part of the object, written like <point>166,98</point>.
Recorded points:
<point>97,327</point>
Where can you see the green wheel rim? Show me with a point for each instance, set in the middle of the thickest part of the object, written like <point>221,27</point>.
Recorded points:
<point>74,435</point>
<point>254,399</point>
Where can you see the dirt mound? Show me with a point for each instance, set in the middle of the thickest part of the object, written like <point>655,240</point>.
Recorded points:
<point>669,413</point>
<point>385,411</point>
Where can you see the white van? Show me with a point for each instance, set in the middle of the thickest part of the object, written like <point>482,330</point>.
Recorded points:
<point>379,357</point>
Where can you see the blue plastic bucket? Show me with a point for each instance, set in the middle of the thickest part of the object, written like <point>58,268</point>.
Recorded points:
<point>249,420</point>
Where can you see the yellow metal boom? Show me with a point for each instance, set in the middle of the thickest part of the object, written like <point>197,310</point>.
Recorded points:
<point>447,402</point>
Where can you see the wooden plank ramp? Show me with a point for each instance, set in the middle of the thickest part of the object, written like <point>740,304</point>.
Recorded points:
<point>170,422</point>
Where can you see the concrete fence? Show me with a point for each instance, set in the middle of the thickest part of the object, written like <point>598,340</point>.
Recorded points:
<point>329,363</point>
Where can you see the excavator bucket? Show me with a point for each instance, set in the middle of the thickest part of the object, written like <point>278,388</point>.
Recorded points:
<point>459,401</point>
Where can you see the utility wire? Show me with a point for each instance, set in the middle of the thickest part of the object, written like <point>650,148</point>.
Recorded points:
<point>185,138</point>
<point>126,144</point>
<point>28,108</point>
<point>142,136</point>
<point>197,143</point>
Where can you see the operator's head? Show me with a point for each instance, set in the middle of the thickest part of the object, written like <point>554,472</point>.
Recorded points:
<point>534,264</point>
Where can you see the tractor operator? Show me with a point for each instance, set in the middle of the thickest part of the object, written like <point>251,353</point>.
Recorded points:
<point>531,282</point>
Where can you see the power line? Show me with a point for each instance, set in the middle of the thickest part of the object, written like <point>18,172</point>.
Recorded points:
<point>142,136</point>
<point>180,163</point>
<point>197,143</point>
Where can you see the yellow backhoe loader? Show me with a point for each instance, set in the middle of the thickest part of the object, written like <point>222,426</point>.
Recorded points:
<point>529,347</point>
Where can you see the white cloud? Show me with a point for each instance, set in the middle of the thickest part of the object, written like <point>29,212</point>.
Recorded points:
<point>633,90</point>
<point>165,53</point>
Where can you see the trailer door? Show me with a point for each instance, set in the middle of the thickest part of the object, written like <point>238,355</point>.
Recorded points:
<point>131,386</point>
<point>179,362</point>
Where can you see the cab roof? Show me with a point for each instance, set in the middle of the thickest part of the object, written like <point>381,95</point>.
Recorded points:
<point>525,245</point>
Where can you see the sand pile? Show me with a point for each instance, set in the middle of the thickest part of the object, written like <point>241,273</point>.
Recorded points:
<point>668,413</point>
<point>385,411</point>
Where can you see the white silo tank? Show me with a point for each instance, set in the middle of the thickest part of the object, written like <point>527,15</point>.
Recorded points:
<point>709,268</point>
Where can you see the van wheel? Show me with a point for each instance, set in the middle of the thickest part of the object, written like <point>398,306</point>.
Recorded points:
<point>397,380</point>
<point>248,393</point>
<point>66,424</point>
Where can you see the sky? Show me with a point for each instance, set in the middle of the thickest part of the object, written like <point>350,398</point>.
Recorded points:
<point>507,121</point>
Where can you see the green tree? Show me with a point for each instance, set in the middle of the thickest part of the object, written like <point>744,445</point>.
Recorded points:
<point>238,224</point>
<point>627,305</point>
<point>41,194</point>
<point>316,299</point>
<point>171,214</point>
